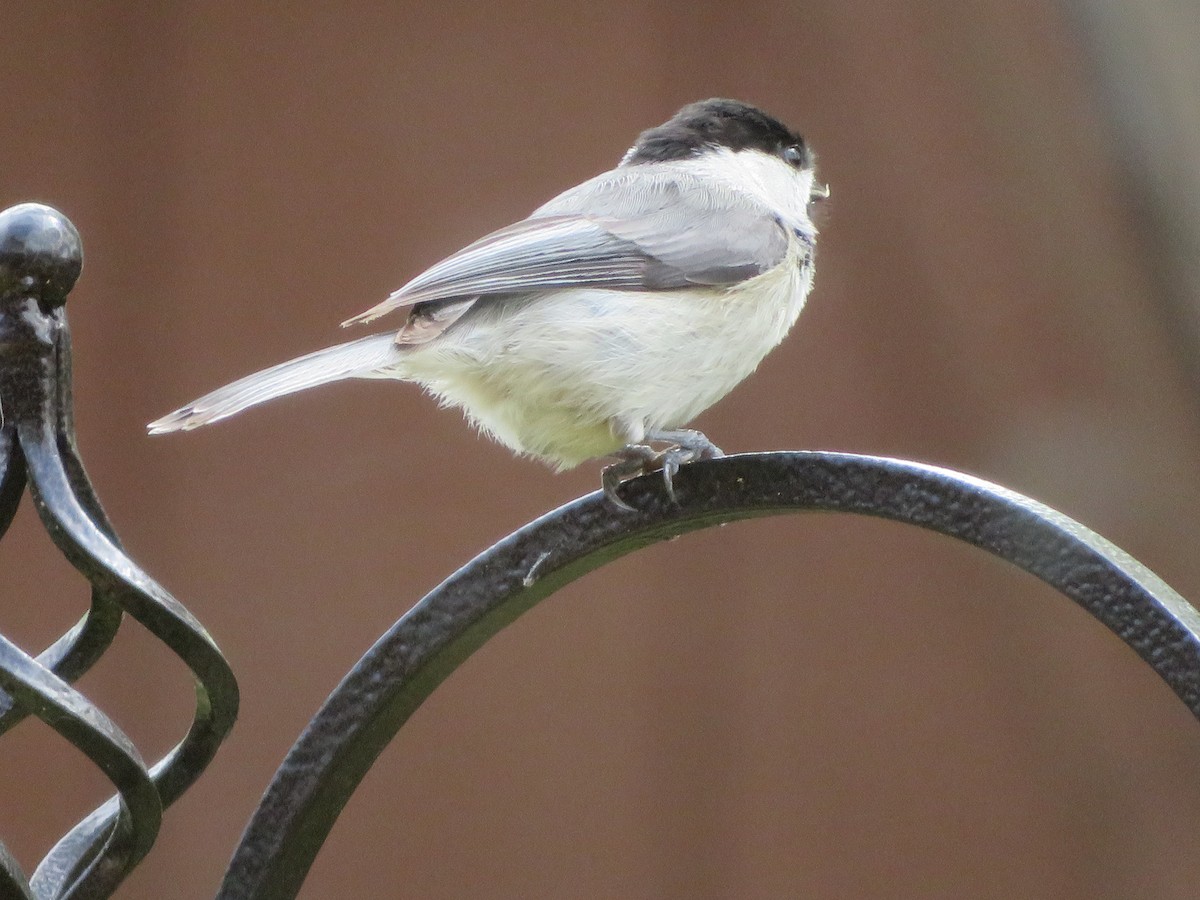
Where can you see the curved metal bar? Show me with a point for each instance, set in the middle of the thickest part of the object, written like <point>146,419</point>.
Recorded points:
<point>77,650</point>
<point>12,476</point>
<point>107,566</point>
<point>395,676</point>
<point>112,572</point>
<point>70,714</point>
<point>74,652</point>
<point>12,879</point>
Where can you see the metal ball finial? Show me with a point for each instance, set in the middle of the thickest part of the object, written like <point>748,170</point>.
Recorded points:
<point>41,254</point>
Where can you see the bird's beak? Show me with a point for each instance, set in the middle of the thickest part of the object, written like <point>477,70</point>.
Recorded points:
<point>818,192</point>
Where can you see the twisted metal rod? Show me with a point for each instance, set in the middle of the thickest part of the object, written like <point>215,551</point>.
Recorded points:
<point>40,259</point>
<point>429,642</point>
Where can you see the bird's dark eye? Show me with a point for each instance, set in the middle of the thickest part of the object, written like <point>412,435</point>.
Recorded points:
<point>793,155</point>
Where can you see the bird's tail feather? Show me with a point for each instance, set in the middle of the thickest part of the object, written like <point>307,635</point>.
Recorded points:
<point>356,358</point>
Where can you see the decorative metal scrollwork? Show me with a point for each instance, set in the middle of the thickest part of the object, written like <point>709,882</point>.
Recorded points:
<point>40,260</point>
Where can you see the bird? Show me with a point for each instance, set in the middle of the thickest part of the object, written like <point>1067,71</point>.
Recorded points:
<point>609,318</point>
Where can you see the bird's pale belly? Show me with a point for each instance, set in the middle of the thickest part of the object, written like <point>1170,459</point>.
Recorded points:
<point>584,373</point>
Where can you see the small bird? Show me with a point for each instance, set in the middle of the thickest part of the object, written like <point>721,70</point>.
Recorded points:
<point>609,318</point>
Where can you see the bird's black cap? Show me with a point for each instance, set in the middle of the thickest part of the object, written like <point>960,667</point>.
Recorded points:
<point>718,123</point>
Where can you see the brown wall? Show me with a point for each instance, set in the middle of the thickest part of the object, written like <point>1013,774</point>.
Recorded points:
<point>808,707</point>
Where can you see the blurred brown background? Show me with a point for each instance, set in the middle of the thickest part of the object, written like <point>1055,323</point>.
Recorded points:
<point>816,706</point>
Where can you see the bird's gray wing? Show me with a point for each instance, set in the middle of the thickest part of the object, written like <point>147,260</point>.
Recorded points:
<point>700,232</point>
<point>624,230</point>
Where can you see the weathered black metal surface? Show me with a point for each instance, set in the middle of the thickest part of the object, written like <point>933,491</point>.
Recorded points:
<point>396,675</point>
<point>40,259</point>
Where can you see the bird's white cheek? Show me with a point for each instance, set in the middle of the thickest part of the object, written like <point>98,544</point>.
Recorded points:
<point>773,182</point>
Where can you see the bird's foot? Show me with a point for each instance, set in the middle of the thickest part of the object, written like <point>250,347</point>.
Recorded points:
<point>695,442</point>
<point>640,459</point>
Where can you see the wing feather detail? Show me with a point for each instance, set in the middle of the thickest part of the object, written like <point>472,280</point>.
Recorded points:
<point>619,231</point>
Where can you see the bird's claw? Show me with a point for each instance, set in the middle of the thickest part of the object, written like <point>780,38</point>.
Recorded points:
<point>671,461</point>
<point>640,459</point>
<point>633,460</point>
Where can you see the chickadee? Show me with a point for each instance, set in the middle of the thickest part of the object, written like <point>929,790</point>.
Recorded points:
<point>613,315</point>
